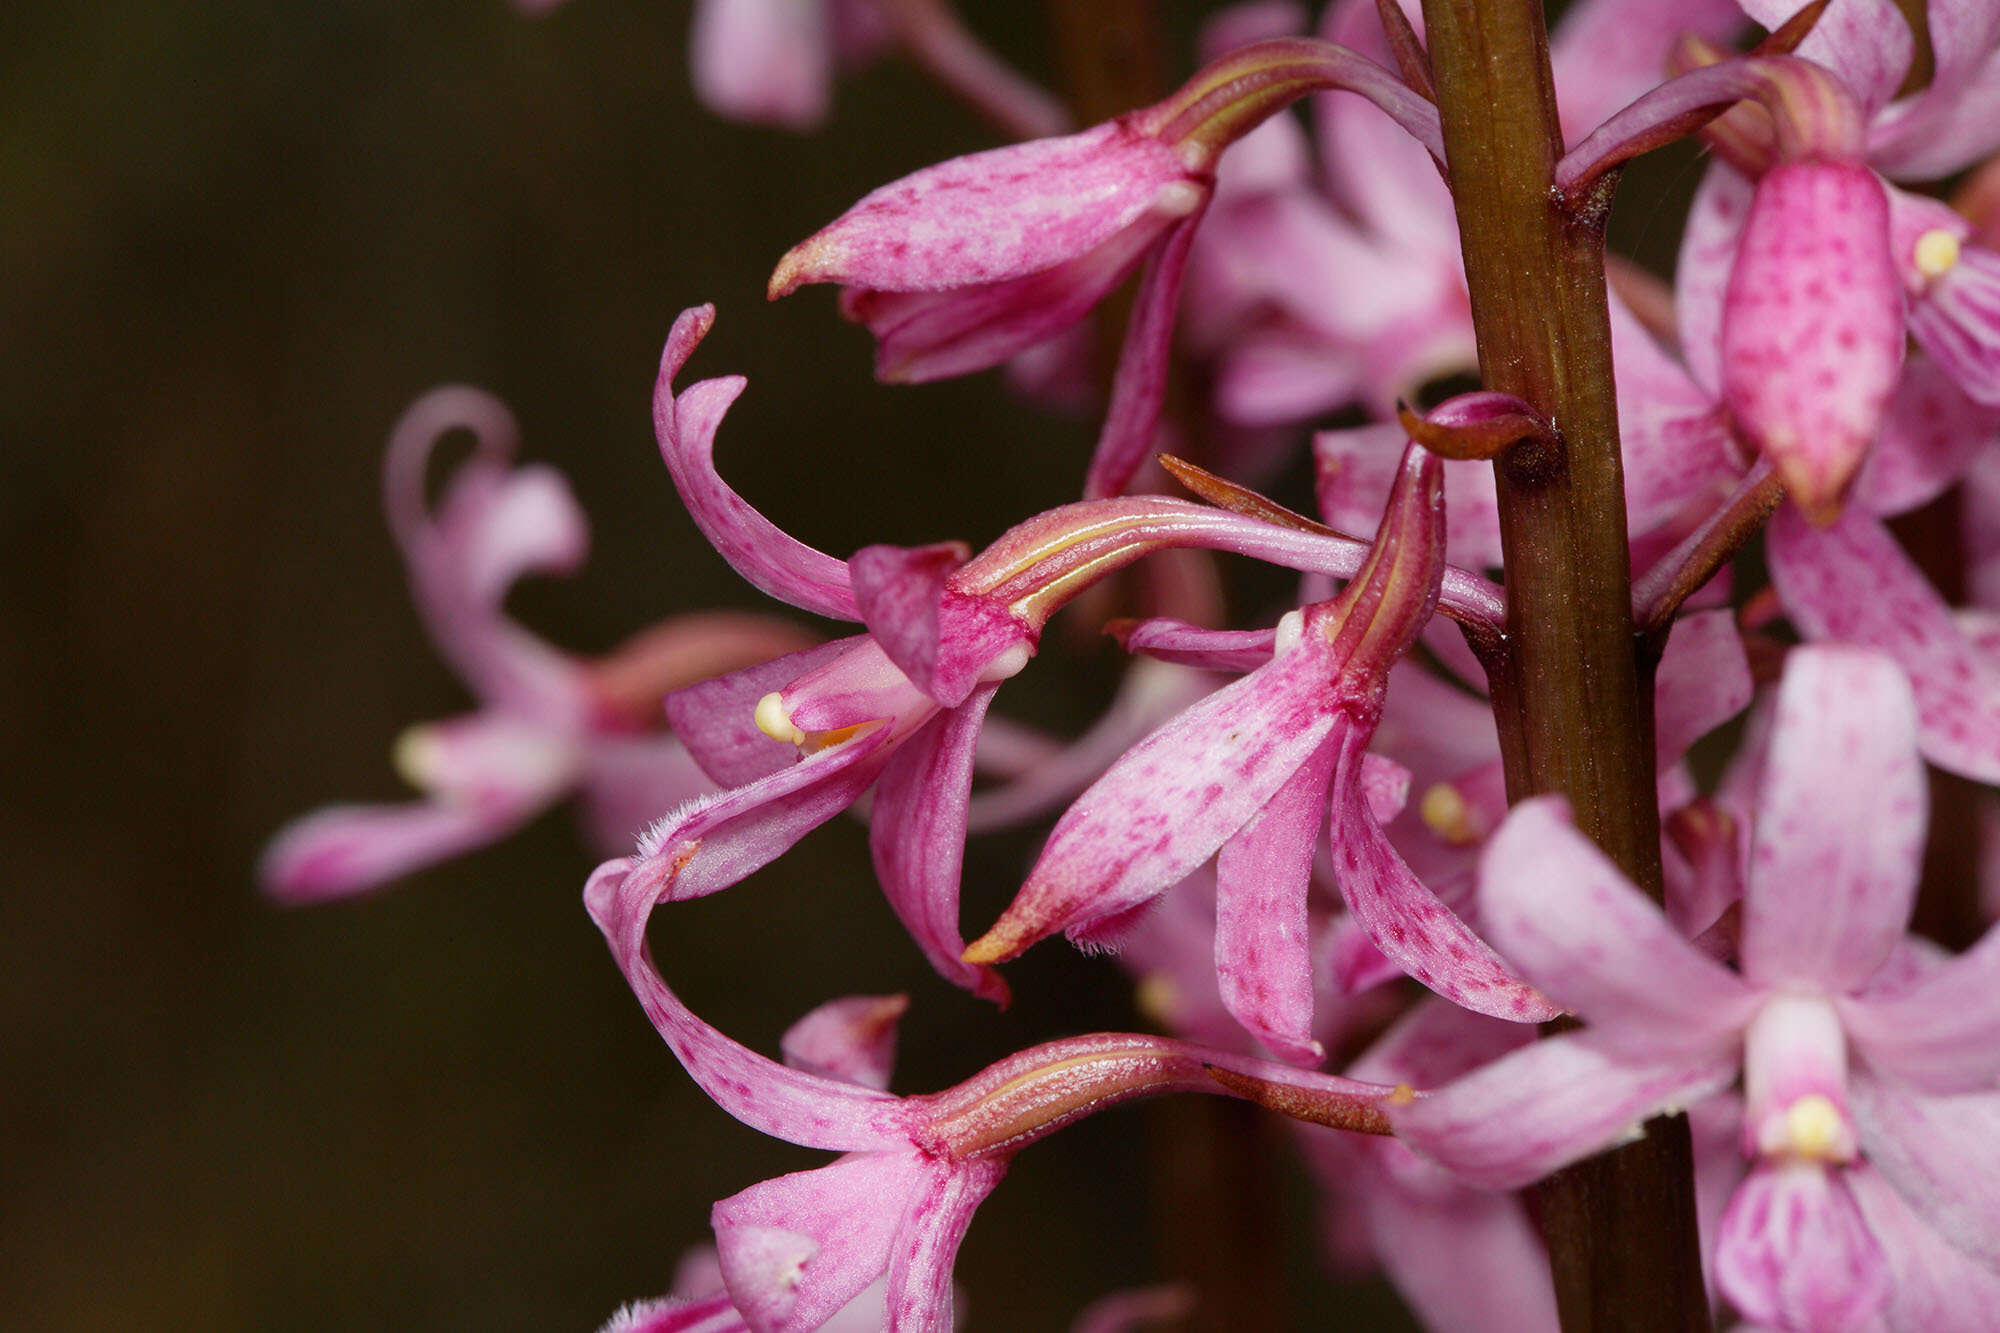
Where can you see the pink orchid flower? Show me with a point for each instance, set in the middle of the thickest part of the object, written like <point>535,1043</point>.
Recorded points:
<point>1249,771</point>
<point>1843,1059</point>
<point>797,1250</point>
<point>549,723</point>
<point>901,708</point>
<point>968,263</point>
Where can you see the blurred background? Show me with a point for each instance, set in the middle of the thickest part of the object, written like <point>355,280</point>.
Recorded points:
<point>238,239</point>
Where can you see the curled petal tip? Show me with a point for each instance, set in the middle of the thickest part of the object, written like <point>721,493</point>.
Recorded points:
<point>790,274</point>
<point>1007,940</point>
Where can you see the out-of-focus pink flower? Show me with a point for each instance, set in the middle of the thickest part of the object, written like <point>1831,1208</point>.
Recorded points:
<point>797,1250</point>
<point>1835,848</point>
<point>1248,771</point>
<point>549,724</point>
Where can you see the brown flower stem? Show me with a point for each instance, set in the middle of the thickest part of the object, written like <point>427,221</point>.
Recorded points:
<point>1620,1227</point>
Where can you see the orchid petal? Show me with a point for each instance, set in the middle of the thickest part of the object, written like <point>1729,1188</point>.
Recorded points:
<point>1869,45</point>
<point>785,1103</point>
<point>717,718</point>
<point>1943,1156</point>
<point>1958,322</point>
<point>920,1258</point>
<point>1262,957</point>
<point>1558,907</point>
<point>1132,420</point>
<point>991,216</point>
<point>1929,438</point>
<point>1940,1034</point>
<point>1405,918</point>
<point>1467,1261</point>
<point>797,1249</point>
<point>1952,123</point>
<point>1171,801</point>
<point>713,1314</point>
<point>1551,1103</point>
<point>1709,242</point>
<point>782,566</point>
<point>1176,641</point>
<point>762,61</point>
<point>1607,53</point>
<point>1933,1286</point>
<point>943,640</point>
<point>1812,325</point>
<point>1852,583</point>
<point>1704,680</point>
<point>721,840</point>
<point>1794,1252</point>
<point>1354,469</point>
<point>916,832</point>
<point>348,849</point>
<point>850,1040</point>
<point>1839,835</point>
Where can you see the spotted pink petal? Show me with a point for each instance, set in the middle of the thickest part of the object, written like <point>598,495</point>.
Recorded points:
<point>1553,1102</point>
<point>1173,800</point>
<point>797,1249</point>
<point>917,835</point>
<point>786,1103</point>
<point>348,849</point>
<point>920,1260</point>
<point>1557,906</point>
<point>1404,917</point>
<point>1812,325</point>
<point>992,216</point>
<point>1794,1251</point>
<point>1942,1154</point>
<point>1834,860</point>
<point>780,565</point>
<point>1941,1034</point>
<point>852,1040</point>
<point>1852,583</point>
<point>1263,957</point>
<point>1929,439</point>
<point>716,718</point>
<point>1709,243</point>
<point>1958,322</point>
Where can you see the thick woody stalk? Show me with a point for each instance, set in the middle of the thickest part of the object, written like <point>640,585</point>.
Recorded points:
<point>1620,1227</point>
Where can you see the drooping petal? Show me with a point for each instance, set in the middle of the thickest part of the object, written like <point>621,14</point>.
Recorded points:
<point>763,61</point>
<point>785,1103</point>
<point>920,1260</point>
<point>1559,908</point>
<point>717,718</point>
<point>1853,584</point>
<point>1941,1033</point>
<point>852,1039</point>
<point>781,565</point>
<point>1139,388</point>
<point>1263,959</point>
<point>1794,1251</point>
<point>1812,325</point>
<point>1170,802</point>
<point>916,832</point>
<point>796,1249</point>
<point>348,849</point>
<point>1551,1103</point>
<point>1943,1156</point>
<point>991,216</point>
<point>1404,917</point>
<point>1839,834</point>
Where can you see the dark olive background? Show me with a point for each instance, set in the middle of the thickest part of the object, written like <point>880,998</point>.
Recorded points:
<point>236,240</point>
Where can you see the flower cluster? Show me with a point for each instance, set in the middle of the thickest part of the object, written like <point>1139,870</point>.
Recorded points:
<point>1345,831</point>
